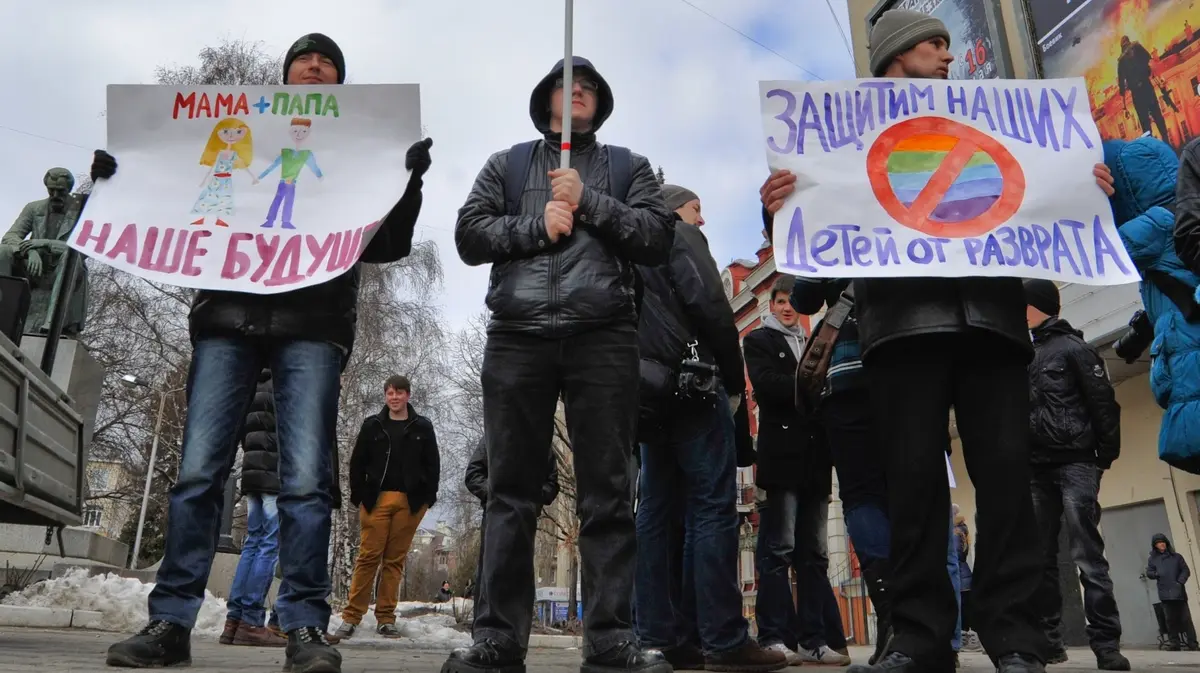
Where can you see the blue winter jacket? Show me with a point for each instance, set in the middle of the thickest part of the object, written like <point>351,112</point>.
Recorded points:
<point>1145,173</point>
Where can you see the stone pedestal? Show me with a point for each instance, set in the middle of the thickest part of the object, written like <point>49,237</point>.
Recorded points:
<point>75,372</point>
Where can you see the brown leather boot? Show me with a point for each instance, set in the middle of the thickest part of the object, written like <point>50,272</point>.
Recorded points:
<point>257,636</point>
<point>231,628</point>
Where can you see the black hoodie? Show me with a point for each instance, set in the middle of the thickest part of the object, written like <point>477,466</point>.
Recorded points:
<point>1074,416</point>
<point>585,280</point>
<point>421,468</point>
<point>1169,569</point>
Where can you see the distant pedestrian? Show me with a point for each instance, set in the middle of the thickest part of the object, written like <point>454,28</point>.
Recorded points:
<point>1171,573</point>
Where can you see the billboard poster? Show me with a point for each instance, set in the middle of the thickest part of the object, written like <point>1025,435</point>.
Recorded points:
<point>1140,58</point>
<point>978,49</point>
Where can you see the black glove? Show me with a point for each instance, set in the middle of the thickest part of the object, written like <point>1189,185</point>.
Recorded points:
<point>417,159</point>
<point>104,166</point>
<point>1133,343</point>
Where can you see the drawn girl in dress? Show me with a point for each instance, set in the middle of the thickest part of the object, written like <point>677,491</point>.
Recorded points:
<point>230,146</point>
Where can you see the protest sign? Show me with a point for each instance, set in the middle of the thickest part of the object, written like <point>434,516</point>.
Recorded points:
<point>901,178</point>
<point>249,189</point>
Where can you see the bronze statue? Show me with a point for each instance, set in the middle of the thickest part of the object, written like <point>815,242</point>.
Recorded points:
<point>35,248</point>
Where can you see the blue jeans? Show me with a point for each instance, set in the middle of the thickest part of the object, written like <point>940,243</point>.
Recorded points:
<point>256,567</point>
<point>956,580</point>
<point>221,384</point>
<point>869,530</point>
<point>696,462</point>
<point>789,538</point>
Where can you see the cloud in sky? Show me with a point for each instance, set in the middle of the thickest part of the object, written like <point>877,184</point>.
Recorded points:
<point>685,85</point>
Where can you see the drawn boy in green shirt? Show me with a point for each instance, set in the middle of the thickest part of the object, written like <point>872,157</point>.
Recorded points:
<point>291,161</point>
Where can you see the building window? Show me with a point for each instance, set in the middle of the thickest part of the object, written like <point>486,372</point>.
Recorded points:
<point>98,480</point>
<point>92,514</point>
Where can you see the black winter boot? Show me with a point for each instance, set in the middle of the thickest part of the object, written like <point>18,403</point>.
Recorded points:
<point>486,656</point>
<point>875,574</point>
<point>159,645</point>
<point>1019,663</point>
<point>309,652</point>
<point>626,657</point>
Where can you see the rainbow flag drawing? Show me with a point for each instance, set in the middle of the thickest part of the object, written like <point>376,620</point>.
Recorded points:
<point>913,162</point>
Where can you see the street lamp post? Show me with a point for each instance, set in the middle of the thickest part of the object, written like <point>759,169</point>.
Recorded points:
<point>133,381</point>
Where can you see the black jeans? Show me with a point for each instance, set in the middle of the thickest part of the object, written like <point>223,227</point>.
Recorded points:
<point>788,539</point>
<point>1180,631</point>
<point>1070,492</point>
<point>596,373</point>
<point>914,383</point>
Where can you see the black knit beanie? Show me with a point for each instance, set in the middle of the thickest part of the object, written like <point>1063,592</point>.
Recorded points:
<point>318,43</point>
<point>1043,295</point>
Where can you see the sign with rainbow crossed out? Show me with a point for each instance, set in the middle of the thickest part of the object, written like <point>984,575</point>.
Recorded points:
<point>900,178</point>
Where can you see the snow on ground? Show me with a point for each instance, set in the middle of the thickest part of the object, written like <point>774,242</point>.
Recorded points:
<point>122,601</point>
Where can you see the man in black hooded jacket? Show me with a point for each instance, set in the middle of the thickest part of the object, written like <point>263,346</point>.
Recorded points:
<point>1170,573</point>
<point>305,337</point>
<point>564,323</point>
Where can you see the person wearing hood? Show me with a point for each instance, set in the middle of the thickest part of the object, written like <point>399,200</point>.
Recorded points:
<point>796,471</point>
<point>690,351</point>
<point>1170,572</point>
<point>563,299</point>
<point>1075,435</point>
<point>1145,209</point>
<point>395,469</point>
<point>305,337</point>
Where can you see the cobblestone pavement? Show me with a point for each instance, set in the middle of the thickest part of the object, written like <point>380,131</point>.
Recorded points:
<point>79,651</point>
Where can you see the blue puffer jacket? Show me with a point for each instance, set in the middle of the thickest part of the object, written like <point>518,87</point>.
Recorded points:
<point>1145,172</point>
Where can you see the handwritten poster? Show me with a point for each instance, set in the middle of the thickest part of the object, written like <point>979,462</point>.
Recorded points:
<point>900,177</point>
<point>248,189</point>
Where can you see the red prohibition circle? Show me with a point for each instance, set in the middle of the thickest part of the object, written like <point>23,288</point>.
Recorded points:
<point>970,141</point>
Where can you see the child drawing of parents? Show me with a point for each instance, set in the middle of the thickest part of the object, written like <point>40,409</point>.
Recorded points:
<point>290,161</point>
<point>230,146</point>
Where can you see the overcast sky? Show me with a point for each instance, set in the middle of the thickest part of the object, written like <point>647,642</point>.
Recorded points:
<point>685,85</point>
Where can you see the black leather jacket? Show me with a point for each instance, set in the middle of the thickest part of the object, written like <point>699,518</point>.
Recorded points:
<point>585,280</point>
<point>325,312</point>
<point>1073,416</point>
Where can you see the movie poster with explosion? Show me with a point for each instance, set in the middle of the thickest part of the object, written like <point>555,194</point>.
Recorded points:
<point>951,178</point>
<point>1141,60</point>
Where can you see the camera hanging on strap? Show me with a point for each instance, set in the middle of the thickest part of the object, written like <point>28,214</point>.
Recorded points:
<point>698,380</point>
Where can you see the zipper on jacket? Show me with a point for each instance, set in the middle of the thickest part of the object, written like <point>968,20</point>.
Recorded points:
<point>388,458</point>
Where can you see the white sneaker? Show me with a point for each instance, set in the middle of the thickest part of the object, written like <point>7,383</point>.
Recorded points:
<point>823,656</point>
<point>970,642</point>
<point>793,659</point>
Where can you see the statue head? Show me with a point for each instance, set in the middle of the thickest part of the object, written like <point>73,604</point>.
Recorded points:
<point>59,182</point>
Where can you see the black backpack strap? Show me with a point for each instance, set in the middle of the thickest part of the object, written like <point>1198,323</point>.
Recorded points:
<point>520,158</point>
<point>1179,292</point>
<point>620,172</point>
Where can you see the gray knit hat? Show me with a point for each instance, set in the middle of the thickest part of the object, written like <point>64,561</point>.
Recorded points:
<point>676,196</point>
<point>899,30</point>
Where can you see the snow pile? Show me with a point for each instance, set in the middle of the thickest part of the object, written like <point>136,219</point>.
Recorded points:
<point>425,625</point>
<point>121,600</point>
